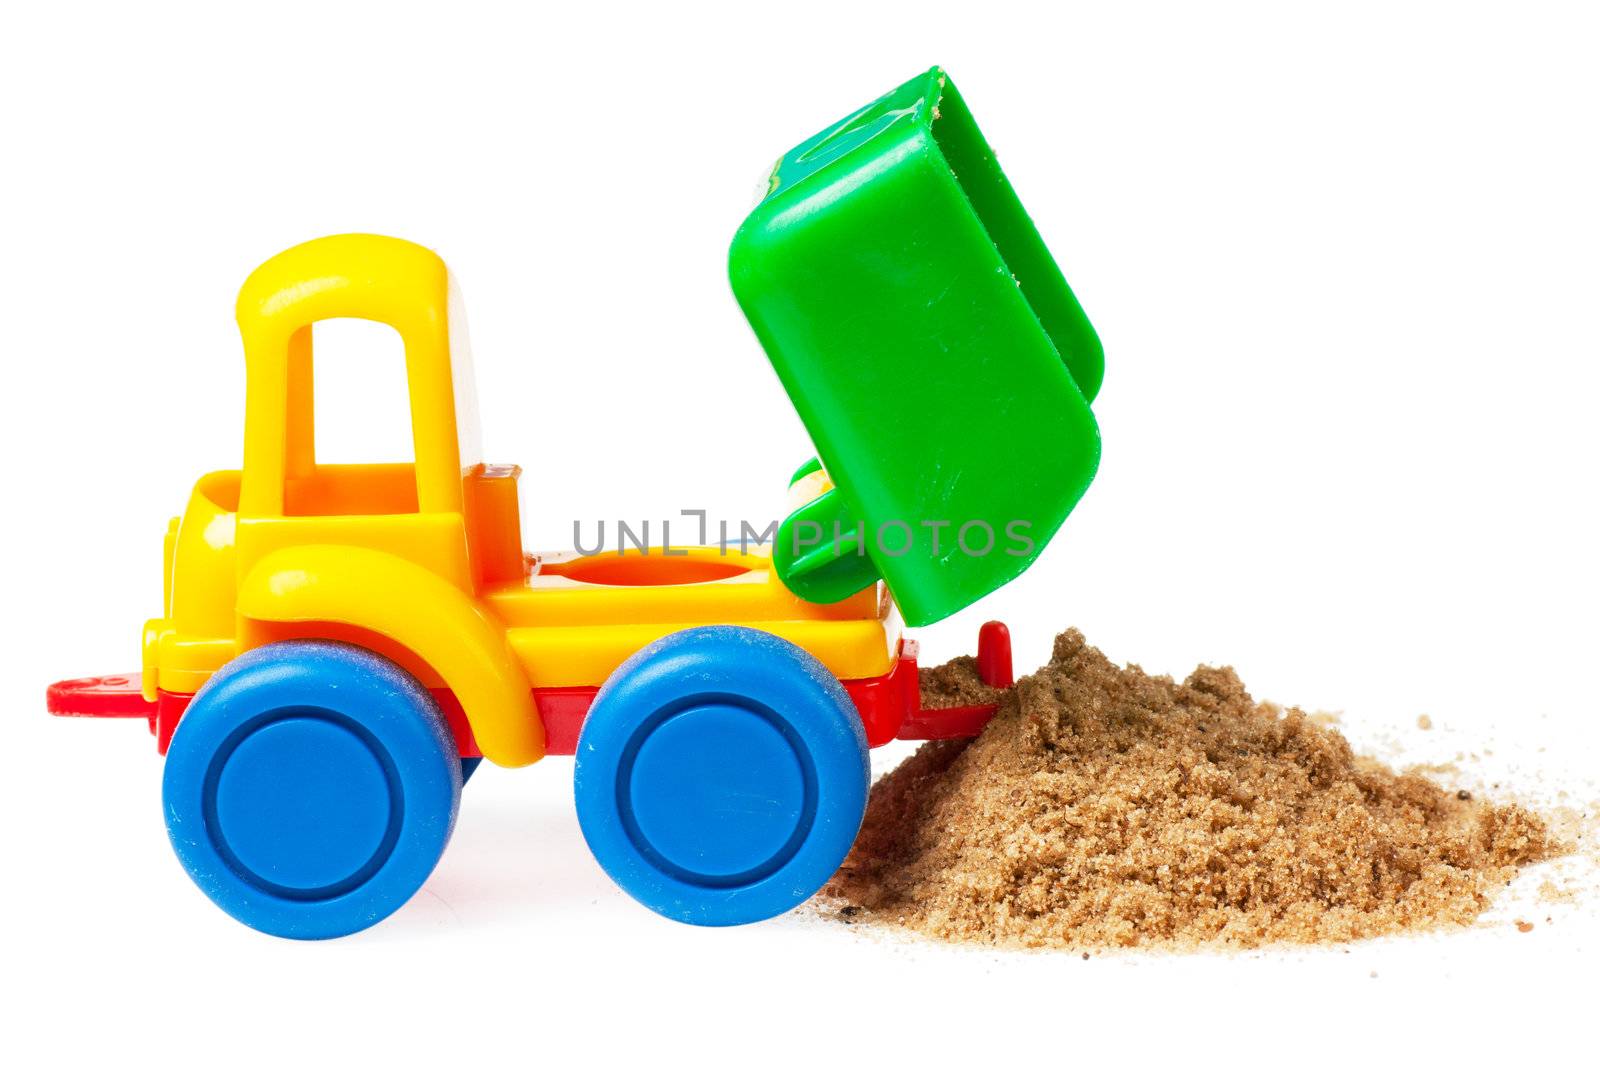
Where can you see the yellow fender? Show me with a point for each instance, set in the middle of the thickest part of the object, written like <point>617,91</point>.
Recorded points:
<point>417,609</point>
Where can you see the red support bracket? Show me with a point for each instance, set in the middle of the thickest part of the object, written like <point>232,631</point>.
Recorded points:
<point>994,655</point>
<point>994,669</point>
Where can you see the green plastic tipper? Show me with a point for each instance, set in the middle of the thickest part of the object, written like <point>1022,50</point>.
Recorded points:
<point>933,350</point>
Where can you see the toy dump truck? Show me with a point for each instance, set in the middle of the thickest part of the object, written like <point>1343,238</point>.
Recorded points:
<point>341,644</point>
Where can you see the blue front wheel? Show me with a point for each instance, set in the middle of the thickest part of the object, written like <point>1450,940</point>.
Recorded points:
<point>721,776</point>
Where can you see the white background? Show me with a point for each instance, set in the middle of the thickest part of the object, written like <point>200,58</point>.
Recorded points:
<point>1343,260</point>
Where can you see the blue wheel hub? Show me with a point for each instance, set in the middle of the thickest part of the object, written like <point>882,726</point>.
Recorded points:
<point>721,776</point>
<point>718,794</point>
<point>305,806</point>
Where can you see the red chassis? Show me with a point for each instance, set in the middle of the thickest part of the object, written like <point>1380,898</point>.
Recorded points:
<point>890,704</point>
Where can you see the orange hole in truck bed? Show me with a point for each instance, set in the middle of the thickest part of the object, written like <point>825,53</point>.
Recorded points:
<point>644,570</point>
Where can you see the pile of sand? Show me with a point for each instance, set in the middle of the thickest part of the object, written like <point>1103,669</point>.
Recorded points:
<point>1104,807</point>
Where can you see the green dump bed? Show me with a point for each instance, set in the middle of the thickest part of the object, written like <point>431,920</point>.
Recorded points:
<point>932,348</point>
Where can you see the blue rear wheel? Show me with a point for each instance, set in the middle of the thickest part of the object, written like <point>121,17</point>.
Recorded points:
<point>310,788</point>
<point>721,776</point>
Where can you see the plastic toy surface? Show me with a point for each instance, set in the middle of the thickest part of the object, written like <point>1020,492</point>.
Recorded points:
<point>340,644</point>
